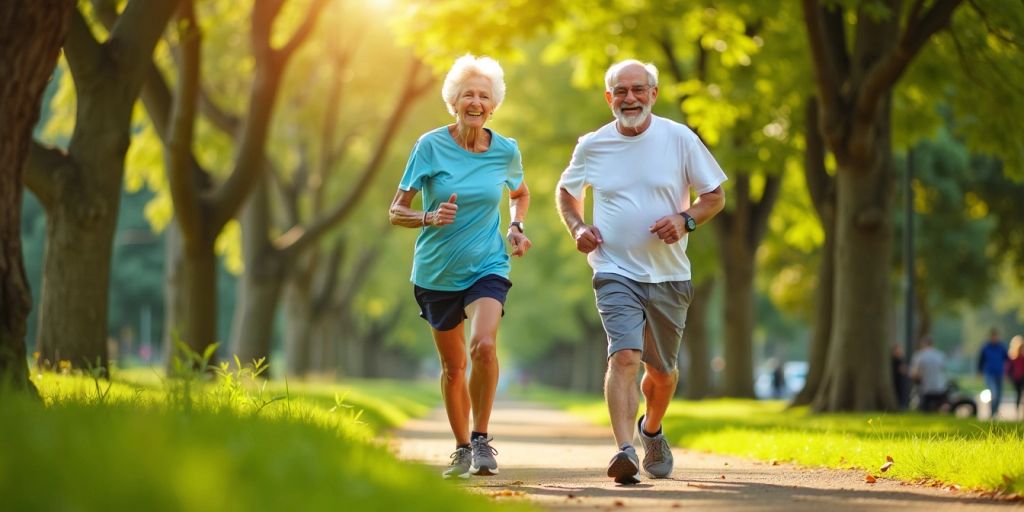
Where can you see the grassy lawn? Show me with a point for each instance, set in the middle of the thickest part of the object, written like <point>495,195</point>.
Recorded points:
<point>146,443</point>
<point>972,454</point>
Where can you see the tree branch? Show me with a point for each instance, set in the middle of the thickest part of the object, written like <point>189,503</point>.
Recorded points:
<point>884,75</point>
<point>84,53</point>
<point>760,212</point>
<point>182,124</point>
<point>414,87</point>
<point>302,33</point>
<point>251,153</point>
<point>828,50</point>
<point>135,34</point>
<point>819,184</point>
<point>42,167</point>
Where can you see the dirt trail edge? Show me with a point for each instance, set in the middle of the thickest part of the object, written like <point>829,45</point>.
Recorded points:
<point>557,461</point>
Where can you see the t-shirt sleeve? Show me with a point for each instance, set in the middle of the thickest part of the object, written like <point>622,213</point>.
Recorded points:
<point>514,178</point>
<point>701,170</point>
<point>419,167</point>
<point>574,177</point>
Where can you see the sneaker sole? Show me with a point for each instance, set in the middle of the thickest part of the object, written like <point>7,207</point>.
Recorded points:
<point>483,471</point>
<point>623,470</point>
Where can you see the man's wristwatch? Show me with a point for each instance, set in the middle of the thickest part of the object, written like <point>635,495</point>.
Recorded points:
<point>517,224</point>
<point>690,224</point>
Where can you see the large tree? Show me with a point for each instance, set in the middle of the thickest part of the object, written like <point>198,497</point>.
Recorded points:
<point>33,32</point>
<point>80,187</point>
<point>854,86</point>
<point>202,205</point>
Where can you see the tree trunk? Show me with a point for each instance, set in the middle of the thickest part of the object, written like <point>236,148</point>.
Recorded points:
<point>738,266</point>
<point>697,384</point>
<point>857,375</point>
<point>200,329</point>
<point>740,231</point>
<point>76,272</point>
<point>33,31</point>
<point>174,291</point>
<point>259,287</point>
<point>823,195</point>
<point>298,312</point>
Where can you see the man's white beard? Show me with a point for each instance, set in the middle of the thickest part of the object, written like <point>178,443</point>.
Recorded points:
<point>632,122</point>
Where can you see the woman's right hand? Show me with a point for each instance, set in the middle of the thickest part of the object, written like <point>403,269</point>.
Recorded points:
<point>445,212</point>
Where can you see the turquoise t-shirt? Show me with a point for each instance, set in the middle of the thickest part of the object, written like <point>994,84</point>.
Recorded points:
<point>454,256</point>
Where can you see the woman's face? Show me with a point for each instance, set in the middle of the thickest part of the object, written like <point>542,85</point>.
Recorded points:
<point>474,104</point>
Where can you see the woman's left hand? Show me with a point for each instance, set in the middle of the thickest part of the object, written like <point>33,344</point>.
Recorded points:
<point>520,244</point>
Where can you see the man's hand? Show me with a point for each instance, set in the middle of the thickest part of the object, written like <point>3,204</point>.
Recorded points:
<point>587,238</point>
<point>670,228</point>
<point>520,243</point>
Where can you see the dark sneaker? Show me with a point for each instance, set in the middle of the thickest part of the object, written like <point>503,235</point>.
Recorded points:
<point>625,466</point>
<point>657,453</point>
<point>484,463</point>
<point>459,467</point>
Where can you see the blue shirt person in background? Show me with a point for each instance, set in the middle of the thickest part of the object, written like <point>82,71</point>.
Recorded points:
<point>460,267</point>
<point>992,364</point>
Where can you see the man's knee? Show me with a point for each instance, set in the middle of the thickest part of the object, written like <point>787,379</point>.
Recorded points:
<point>627,361</point>
<point>661,377</point>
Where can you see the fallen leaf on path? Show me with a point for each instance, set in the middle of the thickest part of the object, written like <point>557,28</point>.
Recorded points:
<point>870,479</point>
<point>722,477</point>
<point>773,462</point>
<point>619,503</point>
<point>506,492</point>
<point>699,486</point>
<point>570,496</point>
<point>517,482</point>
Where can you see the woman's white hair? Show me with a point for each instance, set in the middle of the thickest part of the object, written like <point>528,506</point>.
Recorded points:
<point>613,71</point>
<point>466,67</point>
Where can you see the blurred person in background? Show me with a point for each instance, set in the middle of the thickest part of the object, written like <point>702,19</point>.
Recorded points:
<point>992,365</point>
<point>1015,371</point>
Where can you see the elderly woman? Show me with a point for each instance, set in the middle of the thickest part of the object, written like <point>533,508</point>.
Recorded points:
<point>460,265</point>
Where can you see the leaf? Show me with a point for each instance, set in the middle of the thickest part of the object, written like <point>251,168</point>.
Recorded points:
<point>870,479</point>
<point>888,458</point>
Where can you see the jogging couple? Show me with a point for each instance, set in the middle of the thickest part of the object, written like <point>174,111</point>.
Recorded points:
<point>641,169</point>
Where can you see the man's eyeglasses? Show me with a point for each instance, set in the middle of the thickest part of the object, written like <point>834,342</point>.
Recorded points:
<point>638,90</point>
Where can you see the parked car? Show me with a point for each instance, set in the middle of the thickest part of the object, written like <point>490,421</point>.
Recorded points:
<point>794,375</point>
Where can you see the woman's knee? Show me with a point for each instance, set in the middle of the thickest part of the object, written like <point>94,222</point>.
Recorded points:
<point>453,369</point>
<point>483,349</point>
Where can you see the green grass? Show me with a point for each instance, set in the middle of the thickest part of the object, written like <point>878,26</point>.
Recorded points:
<point>973,454</point>
<point>148,443</point>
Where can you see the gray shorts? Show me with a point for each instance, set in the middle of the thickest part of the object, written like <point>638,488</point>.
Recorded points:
<point>648,317</point>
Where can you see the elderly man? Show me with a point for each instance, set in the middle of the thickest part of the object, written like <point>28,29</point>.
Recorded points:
<point>642,169</point>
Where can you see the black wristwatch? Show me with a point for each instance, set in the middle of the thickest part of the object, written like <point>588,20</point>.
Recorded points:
<point>517,224</point>
<point>690,224</point>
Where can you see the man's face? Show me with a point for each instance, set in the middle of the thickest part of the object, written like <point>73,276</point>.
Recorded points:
<point>631,98</point>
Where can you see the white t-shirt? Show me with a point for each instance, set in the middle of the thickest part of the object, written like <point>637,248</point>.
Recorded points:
<point>636,181</point>
<point>929,364</point>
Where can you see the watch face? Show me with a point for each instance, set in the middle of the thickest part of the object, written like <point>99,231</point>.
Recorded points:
<point>691,224</point>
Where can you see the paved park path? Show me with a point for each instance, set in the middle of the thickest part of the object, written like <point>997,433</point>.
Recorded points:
<point>557,461</point>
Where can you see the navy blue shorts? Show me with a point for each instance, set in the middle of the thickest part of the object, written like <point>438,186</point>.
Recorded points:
<point>446,310</point>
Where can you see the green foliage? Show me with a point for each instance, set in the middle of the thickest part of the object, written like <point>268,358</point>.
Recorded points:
<point>144,454</point>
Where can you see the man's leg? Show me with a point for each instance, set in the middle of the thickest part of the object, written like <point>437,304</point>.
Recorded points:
<point>658,387</point>
<point>621,395</point>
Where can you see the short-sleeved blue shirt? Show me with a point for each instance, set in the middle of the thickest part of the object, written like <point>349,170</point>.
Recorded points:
<point>454,256</point>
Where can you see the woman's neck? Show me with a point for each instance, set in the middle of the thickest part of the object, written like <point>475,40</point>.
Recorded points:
<point>475,140</point>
